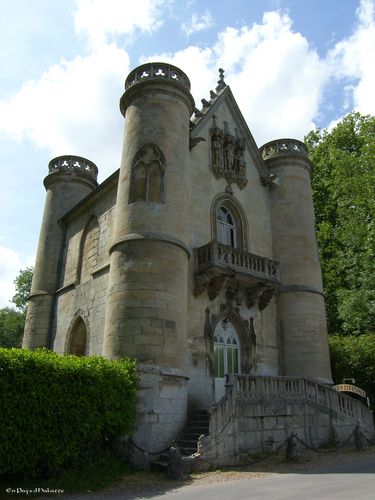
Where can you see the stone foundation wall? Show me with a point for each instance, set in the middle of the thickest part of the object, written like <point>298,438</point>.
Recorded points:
<point>161,411</point>
<point>241,425</point>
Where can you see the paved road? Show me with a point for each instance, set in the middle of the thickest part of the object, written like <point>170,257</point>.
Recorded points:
<point>344,482</point>
<point>354,480</point>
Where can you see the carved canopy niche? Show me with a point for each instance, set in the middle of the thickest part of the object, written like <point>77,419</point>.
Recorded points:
<point>227,155</point>
<point>147,175</point>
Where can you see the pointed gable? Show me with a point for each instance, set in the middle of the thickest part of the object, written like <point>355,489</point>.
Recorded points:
<point>229,135</point>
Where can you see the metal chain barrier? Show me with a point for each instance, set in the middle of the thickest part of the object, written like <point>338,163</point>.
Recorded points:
<point>319,450</point>
<point>149,452</point>
<point>264,457</point>
<point>273,452</point>
<point>369,441</point>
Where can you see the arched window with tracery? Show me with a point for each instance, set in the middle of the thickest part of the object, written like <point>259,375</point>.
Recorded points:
<point>229,225</point>
<point>226,349</point>
<point>147,175</point>
<point>77,340</point>
<point>226,227</point>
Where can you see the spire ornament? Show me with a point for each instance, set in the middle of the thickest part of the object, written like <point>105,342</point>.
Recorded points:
<point>221,84</point>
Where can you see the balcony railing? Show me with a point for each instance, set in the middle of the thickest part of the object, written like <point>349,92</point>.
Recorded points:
<point>215,254</point>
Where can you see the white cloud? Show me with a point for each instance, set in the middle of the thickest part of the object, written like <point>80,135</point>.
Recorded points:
<point>99,18</point>
<point>197,63</point>
<point>10,265</point>
<point>197,23</point>
<point>276,77</point>
<point>353,59</point>
<point>73,108</point>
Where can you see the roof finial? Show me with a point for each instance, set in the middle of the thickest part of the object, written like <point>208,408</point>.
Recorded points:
<point>221,83</point>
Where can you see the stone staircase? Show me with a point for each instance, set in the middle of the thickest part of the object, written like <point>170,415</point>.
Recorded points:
<point>197,424</point>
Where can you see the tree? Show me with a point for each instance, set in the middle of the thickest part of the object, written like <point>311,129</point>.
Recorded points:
<point>23,287</point>
<point>354,357</point>
<point>12,323</point>
<point>344,195</point>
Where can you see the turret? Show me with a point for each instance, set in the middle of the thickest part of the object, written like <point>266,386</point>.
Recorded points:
<point>70,179</point>
<point>146,315</point>
<point>300,301</point>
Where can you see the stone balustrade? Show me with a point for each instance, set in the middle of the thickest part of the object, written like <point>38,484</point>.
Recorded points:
<point>259,413</point>
<point>292,389</point>
<point>282,147</point>
<point>157,71</point>
<point>224,256</point>
<point>73,164</point>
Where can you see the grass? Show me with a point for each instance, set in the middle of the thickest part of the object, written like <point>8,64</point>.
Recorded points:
<point>95,476</point>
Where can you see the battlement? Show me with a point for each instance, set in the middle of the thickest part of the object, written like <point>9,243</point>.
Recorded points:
<point>283,147</point>
<point>73,164</point>
<point>157,71</point>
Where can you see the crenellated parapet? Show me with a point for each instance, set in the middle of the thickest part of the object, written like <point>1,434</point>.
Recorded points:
<point>157,71</point>
<point>73,164</point>
<point>166,78</point>
<point>283,147</point>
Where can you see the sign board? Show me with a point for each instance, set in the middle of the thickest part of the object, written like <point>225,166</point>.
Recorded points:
<point>349,388</point>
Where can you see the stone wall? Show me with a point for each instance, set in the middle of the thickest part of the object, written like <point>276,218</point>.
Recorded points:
<point>259,414</point>
<point>85,294</point>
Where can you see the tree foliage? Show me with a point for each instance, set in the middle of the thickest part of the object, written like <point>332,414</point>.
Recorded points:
<point>11,327</point>
<point>344,195</point>
<point>12,321</point>
<point>23,287</point>
<point>354,357</point>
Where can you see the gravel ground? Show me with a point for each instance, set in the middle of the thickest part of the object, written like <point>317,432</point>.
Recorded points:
<point>148,484</point>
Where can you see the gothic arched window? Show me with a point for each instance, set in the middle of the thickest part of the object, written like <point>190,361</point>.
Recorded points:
<point>226,227</point>
<point>147,176</point>
<point>226,349</point>
<point>229,224</point>
<point>140,183</point>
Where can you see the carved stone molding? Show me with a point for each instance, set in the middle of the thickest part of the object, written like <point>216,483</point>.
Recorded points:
<point>215,286</point>
<point>245,330</point>
<point>260,294</point>
<point>208,329</point>
<point>227,155</point>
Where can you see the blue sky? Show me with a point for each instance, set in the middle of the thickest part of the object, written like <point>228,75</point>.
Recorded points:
<point>292,65</point>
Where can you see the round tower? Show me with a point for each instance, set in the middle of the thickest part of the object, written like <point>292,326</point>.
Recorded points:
<point>146,316</point>
<point>69,180</point>
<point>300,301</point>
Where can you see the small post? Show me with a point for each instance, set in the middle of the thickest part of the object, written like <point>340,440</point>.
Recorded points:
<point>175,466</point>
<point>292,451</point>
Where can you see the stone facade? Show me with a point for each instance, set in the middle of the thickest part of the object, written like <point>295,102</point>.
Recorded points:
<point>198,257</point>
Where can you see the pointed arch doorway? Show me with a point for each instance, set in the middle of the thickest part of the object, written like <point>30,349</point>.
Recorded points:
<point>77,338</point>
<point>227,354</point>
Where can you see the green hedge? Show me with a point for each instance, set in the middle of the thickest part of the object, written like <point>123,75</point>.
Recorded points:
<point>57,412</point>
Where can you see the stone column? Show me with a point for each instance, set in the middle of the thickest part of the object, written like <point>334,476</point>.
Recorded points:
<point>146,316</point>
<point>300,301</point>
<point>70,179</point>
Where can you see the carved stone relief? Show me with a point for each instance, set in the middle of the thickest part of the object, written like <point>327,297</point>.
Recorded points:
<point>227,155</point>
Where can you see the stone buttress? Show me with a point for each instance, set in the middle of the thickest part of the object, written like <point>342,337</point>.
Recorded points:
<point>70,179</point>
<point>146,315</point>
<point>300,301</point>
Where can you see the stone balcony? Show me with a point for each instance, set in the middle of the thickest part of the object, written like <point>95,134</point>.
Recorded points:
<point>216,263</point>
